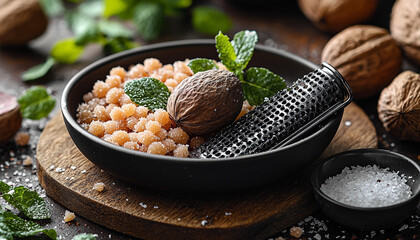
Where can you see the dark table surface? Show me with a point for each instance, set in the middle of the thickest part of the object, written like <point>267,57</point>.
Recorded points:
<point>281,26</point>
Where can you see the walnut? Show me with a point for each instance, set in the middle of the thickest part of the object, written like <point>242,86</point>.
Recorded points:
<point>21,21</point>
<point>367,57</point>
<point>335,15</point>
<point>205,102</point>
<point>399,106</point>
<point>405,27</point>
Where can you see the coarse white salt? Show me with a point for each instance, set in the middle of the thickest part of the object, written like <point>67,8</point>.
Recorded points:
<point>369,186</point>
<point>69,216</point>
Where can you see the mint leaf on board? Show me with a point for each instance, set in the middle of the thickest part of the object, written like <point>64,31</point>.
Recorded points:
<point>210,20</point>
<point>38,71</point>
<point>85,236</point>
<point>201,64</point>
<point>26,201</point>
<point>36,103</point>
<point>66,51</point>
<point>148,92</point>
<point>14,226</point>
<point>149,19</point>
<point>261,83</point>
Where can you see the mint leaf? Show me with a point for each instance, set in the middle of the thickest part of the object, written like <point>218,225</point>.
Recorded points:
<point>66,51</point>
<point>226,52</point>
<point>114,29</point>
<point>26,201</point>
<point>85,236</point>
<point>14,226</point>
<point>148,19</point>
<point>148,92</point>
<point>201,64</point>
<point>38,71</point>
<point>93,8</point>
<point>83,26</point>
<point>121,8</point>
<point>52,7</point>
<point>210,20</point>
<point>236,55</point>
<point>244,43</point>
<point>36,103</point>
<point>114,45</point>
<point>260,83</point>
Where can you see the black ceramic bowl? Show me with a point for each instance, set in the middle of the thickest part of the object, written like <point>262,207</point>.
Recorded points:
<point>189,174</point>
<point>367,218</point>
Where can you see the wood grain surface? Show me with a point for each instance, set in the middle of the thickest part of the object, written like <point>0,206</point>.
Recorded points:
<point>68,177</point>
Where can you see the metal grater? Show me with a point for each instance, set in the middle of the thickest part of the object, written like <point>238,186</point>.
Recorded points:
<point>283,117</point>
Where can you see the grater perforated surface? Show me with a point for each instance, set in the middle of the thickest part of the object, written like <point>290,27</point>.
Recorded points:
<point>282,117</point>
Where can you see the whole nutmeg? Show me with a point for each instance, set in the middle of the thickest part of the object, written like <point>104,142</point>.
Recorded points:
<point>205,102</point>
<point>367,57</point>
<point>10,117</point>
<point>399,106</point>
<point>405,27</point>
<point>335,15</point>
<point>21,21</point>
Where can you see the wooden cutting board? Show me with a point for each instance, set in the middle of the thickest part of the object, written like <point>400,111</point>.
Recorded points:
<point>68,177</point>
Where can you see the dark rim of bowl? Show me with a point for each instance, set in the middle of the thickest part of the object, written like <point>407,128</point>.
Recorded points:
<point>362,150</point>
<point>115,57</point>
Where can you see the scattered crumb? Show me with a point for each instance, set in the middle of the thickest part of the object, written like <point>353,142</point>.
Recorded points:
<point>204,223</point>
<point>347,123</point>
<point>69,216</point>
<point>296,232</point>
<point>27,161</point>
<point>22,138</point>
<point>279,238</point>
<point>143,205</point>
<point>99,186</point>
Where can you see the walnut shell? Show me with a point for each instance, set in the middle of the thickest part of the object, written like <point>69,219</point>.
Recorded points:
<point>399,106</point>
<point>21,21</point>
<point>205,102</point>
<point>335,15</point>
<point>10,117</point>
<point>367,57</point>
<point>405,27</point>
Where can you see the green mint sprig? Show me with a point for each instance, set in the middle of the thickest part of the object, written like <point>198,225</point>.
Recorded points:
<point>257,83</point>
<point>148,92</point>
<point>85,236</point>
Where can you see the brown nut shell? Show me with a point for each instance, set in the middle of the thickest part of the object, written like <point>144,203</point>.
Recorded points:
<point>367,57</point>
<point>21,21</point>
<point>335,15</point>
<point>405,27</point>
<point>399,106</point>
<point>205,102</point>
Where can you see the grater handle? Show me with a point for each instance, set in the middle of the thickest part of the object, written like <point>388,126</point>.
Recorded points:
<point>348,97</point>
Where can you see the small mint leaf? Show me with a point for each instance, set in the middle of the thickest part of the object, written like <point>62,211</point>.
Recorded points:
<point>149,19</point>
<point>66,51</point>
<point>226,52</point>
<point>28,202</point>
<point>114,45</point>
<point>38,71</point>
<point>243,44</point>
<point>202,64</point>
<point>114,29</point>
<point>203,20</point>
<point>148,92</point>
<point>260,83</point>
<point>36,103</point>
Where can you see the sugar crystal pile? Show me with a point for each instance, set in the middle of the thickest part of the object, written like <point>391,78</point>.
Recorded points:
<point>368,186</point>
